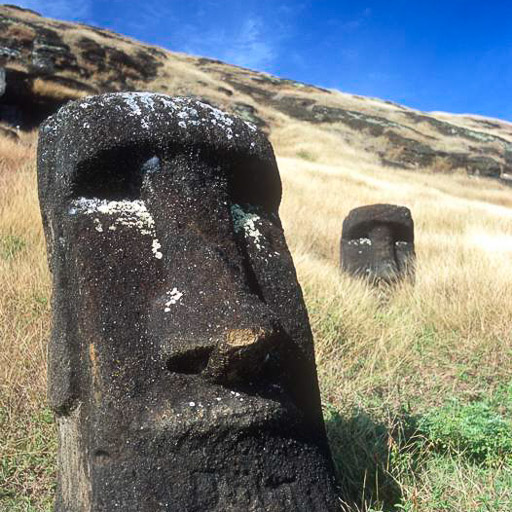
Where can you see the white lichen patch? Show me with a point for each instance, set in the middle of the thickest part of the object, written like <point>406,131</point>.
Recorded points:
<point>147,106</point>
<point>402,244</point>
<point>97,225</point>
<point>129,213</point>
<point>360,241</point>
<point>247,222</point>
<point>138,101</point>
<point>155,248</point>
<point>172,298</point>
<point>124,213</point>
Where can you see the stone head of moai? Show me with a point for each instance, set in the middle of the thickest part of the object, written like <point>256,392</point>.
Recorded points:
<point>181,362</point>
<point>377,243</point>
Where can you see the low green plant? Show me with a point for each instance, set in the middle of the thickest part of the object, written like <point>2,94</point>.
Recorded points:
<point>476,430</point>
<point>306,155</point>
<point>10,245</point>
<point>27,462</point>
<point>361,448</point>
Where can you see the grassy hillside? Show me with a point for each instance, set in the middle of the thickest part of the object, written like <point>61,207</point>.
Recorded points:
<point>48,62</point>
<point>416,384</point>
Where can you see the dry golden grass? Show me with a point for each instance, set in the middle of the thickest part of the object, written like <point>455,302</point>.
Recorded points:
<point>55,91</point>
<point>378,352</point>
<point>464,248</point>
<point>384,356</point>
<point>27,443</point>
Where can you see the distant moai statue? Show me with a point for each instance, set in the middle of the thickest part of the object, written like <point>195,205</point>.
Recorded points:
<point>181,362</point>
<point>377,242</point>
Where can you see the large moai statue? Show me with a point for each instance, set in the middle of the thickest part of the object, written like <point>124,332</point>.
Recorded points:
<point>377,243</point>
<point>181,363</point>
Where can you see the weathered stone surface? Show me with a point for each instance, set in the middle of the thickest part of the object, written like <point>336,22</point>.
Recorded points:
<point>377,243</point>
<point>181,364</point>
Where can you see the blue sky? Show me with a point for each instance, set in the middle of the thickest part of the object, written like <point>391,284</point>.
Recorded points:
<point>451,55</point>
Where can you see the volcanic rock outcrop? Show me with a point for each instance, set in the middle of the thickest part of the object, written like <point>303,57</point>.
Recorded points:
<point>377,243</point>
<point>181,363</point>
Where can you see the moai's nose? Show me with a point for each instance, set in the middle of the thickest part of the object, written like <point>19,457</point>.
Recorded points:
<point>239,356</point>
<point>238,338</point>
<point>384,266</point>
<point>243,354</point>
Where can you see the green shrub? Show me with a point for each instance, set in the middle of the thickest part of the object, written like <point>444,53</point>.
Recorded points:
<point>475,430</point>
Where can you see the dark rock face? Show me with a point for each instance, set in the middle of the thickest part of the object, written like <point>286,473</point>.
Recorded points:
<point>377,243</point>
<point>401,151</point>
<point>181,364</point>
<point>42,51</point>
<point>2,81</point>
<point>249,113</point>
<point>50,54</point>
<point>412,154</point>
<point>31,50</point>
<point>22,108</point>
<point>452,130</point>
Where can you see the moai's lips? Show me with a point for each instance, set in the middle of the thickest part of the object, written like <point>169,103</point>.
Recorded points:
<point>218,411</point>
<point>181,364</point>
<point>377,243</point>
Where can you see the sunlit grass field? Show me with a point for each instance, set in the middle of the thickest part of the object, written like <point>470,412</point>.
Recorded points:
<point>416,381</point>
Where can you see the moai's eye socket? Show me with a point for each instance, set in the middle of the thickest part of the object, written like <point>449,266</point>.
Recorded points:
<point>254,182</point>
<point>114,174</point>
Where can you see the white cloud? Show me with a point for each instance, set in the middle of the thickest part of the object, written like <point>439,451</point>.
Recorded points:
<point>252,41</point>
<point>69,10</point>
<point>252,47</point>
